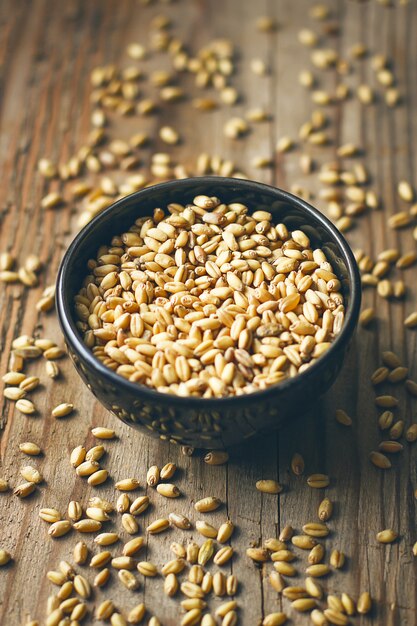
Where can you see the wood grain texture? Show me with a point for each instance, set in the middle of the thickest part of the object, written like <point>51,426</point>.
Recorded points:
<point>47,51</point>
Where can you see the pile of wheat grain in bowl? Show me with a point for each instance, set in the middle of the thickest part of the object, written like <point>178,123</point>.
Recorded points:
<point>209,300</point>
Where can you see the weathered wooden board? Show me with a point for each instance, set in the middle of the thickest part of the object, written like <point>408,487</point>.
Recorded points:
<point>47,51</point>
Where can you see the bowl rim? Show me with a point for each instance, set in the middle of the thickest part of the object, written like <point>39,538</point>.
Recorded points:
<point>72,336</point>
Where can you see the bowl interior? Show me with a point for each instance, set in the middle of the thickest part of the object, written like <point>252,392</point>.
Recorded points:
<point>286,208</point>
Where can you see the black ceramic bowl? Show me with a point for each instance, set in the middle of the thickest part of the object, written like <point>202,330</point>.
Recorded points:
<point>206,423</point>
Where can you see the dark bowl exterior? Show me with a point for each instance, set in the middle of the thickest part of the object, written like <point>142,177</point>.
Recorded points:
<point>197,422</point>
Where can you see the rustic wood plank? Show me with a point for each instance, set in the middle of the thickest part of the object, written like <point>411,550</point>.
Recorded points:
<point>338,449</point>
<point>46,55</point>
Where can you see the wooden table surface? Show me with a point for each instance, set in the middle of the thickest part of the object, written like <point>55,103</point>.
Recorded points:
<point>47,50</point>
